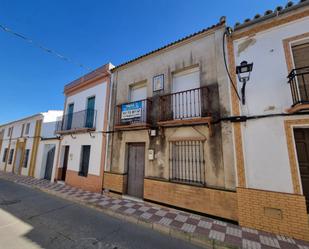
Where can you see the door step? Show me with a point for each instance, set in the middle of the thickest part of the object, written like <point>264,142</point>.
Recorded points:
<point>132,198</point>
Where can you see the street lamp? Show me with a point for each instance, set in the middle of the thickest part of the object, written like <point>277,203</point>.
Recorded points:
<point>243,71</point>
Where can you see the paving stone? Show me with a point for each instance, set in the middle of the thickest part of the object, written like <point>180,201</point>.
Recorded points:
<point>249,244</point>
<point>285,239</point>
<point>205,224</point>
<point>269,241</point>
<point>129,210</point>
<point>146,216</point>
<point>171,221</point>
<point>216,235</point>
<point>234,231</point>
<point>161,213</point>
<point>188,228</point>
<point>181,218</point>
<point>165,221</point>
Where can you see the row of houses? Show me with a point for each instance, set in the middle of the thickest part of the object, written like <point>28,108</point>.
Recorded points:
<point>216,123</point>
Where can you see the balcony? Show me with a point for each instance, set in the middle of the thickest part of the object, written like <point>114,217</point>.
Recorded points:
<point>185,108</point>
<point>81,121</point>
<point>133,115</point>
<point>299,84</point>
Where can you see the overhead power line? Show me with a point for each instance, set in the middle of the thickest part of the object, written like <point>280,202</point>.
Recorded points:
<point>40,46</point>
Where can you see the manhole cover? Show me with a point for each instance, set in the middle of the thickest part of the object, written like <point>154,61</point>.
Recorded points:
<point>9,202</point>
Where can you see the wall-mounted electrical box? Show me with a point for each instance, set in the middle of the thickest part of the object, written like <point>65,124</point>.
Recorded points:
<point>151,154</point>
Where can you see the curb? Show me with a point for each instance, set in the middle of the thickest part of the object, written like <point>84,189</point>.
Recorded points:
<point>196,239</point>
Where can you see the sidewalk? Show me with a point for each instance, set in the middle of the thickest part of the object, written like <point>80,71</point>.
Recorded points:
<point>200,230</point>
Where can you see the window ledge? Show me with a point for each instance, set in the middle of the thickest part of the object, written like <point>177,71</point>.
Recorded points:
<point>297,108</point>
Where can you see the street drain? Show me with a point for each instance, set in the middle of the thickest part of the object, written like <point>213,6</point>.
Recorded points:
<point>8,202</point>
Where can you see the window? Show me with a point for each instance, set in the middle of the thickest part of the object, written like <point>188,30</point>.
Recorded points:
<point>69,117</point>
<point>27,128</point>
<point>186,161</point>
<point>10,131</point>
<point>5,155</point>
<point>138,92</point>
<point>84,162</point>
<point>301,63</point>
<point>22,130</point>
<point>11,156</point>
<point>90,115</point>
<point>26,156</point>
<point>2,133</point>
<point>186,102</point>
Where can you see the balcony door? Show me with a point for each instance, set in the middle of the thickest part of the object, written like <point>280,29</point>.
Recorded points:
<point>69,116</point>
<point>137,93</point>
<point>186,101</point>
<point>90,112</point>
<point>301,63</point>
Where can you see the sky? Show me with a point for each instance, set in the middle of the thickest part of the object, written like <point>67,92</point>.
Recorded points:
<point>93,32</point>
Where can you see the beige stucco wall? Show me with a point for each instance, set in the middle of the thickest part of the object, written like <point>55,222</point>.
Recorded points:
<point>206,53</point>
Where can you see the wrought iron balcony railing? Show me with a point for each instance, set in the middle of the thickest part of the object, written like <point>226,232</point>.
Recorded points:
<point>189,104</point>
<point>82,120</point>
<point>133,113</point>
<point>299,83</point>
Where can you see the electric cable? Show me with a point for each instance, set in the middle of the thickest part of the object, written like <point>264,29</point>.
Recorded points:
<point>40,46</point>
<point>226,67</point>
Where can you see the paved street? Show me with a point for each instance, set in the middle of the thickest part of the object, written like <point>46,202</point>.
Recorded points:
<point>32,219</point>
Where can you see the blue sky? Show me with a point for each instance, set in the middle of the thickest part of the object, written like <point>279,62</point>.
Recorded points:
<point>93,33</point>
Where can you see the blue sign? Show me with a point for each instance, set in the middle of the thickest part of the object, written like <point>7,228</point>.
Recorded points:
<point>131,110</point>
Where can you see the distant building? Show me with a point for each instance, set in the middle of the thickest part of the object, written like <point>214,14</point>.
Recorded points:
<point>21,140</point>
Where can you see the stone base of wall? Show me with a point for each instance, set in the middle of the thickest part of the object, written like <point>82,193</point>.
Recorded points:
<point>115,182</point>
<point>279,213</point>
<point>210,201</point>
<point>91,183</point>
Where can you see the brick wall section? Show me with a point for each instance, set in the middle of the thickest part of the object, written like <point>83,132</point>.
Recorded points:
<point>210,201</point>
<point>275,212</point>
<point>91,182</point>
<point>115,182</point>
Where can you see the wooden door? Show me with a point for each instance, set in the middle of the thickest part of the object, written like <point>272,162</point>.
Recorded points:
<point>65,162</point>
<point>302,147</point>
<point>49,164</point>
<point>136,167</point>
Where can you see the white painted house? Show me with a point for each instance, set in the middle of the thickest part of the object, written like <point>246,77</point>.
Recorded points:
<point>20,146</point>
<point>272,142</point>
<point>82,151</point>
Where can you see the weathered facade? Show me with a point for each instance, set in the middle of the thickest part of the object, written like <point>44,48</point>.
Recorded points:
<point>271,144</point>
<point>166,144</point>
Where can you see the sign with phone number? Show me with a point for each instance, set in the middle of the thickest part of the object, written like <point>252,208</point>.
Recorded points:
<point>132,110</point>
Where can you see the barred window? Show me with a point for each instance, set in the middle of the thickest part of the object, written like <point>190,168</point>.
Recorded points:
<point>187,162</point>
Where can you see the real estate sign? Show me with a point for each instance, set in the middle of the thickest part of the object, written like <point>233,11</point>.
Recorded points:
<point>131,110</point>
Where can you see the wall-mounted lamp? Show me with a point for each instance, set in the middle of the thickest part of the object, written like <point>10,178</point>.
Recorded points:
<point>243,71</point>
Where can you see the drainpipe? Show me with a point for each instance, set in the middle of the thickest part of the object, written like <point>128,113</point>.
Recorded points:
<point>109,124</point>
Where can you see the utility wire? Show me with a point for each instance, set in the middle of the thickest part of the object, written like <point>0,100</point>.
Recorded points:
<point>226,67</point>
<point>40,46</point>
